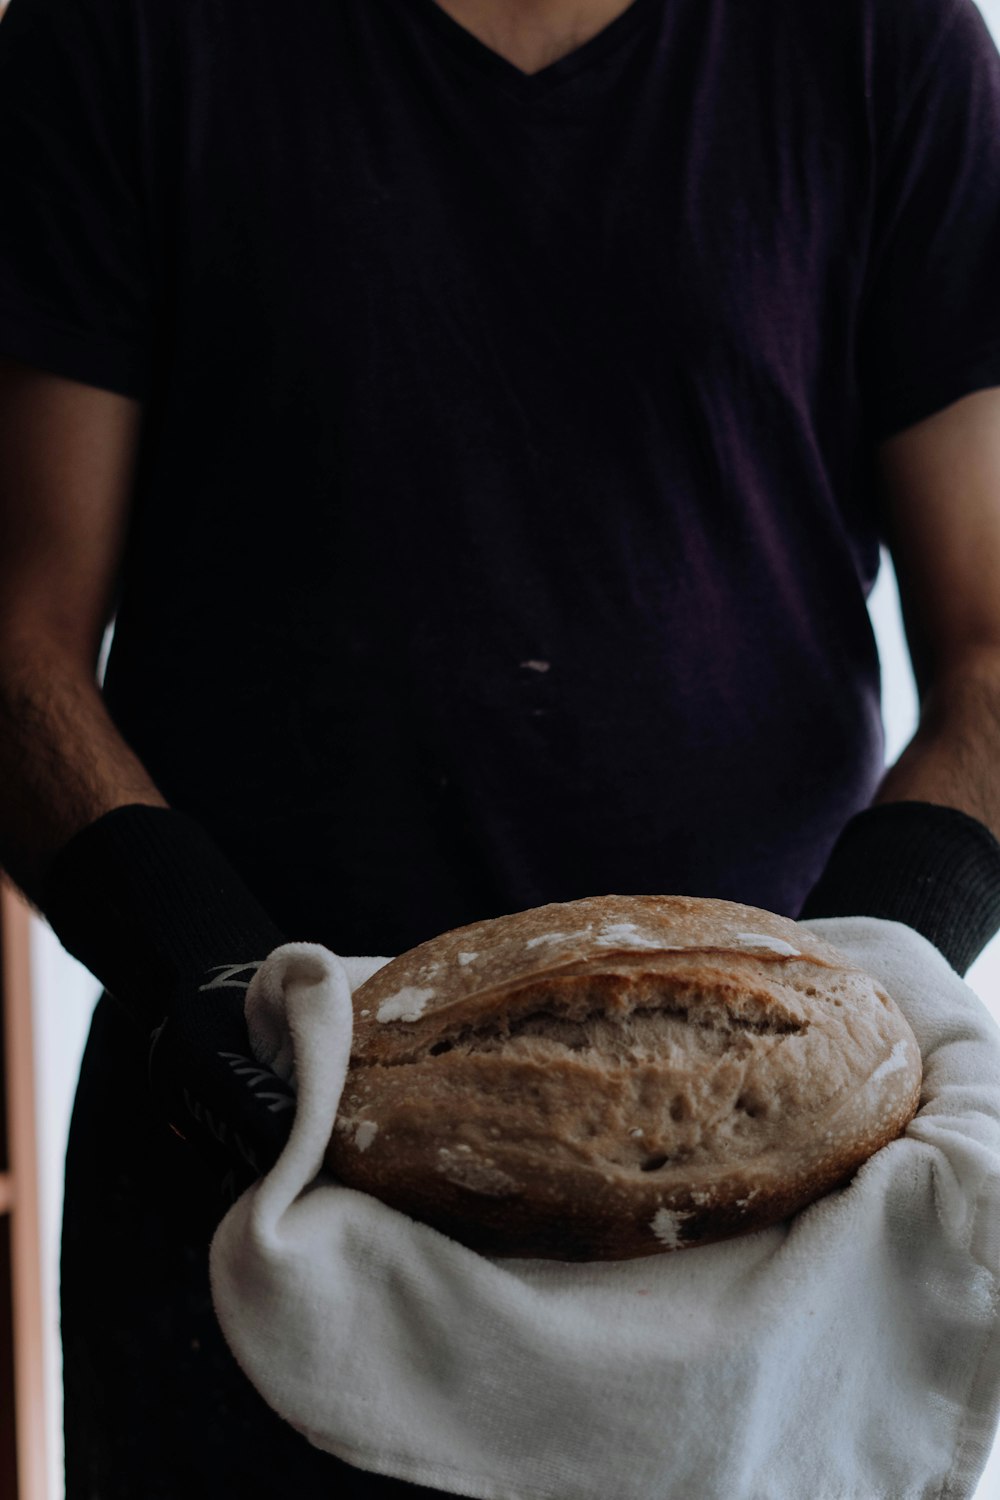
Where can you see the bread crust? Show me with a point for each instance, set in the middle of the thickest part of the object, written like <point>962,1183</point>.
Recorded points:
<point>619,1076</point>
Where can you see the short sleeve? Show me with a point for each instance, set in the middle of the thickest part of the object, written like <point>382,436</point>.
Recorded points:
<point>929,330</point>
<point>74,284</point>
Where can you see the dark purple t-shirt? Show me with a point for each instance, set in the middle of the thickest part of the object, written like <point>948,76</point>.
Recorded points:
<point>506,511</point>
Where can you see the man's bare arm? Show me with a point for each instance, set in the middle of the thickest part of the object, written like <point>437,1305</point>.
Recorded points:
<point>941,490</point>
<point>926,853</point>
<point>141,895</point>
<point>67,452</point>
<point>954,757</point>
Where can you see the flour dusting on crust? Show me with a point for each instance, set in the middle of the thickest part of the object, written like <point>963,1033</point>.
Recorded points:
<point>473,1173</point>
<point>406,1004</point>
<point>624,935</point>
<point>892,1064</point>
<point>770,944</point>
<point>550,937</point>
<point>666,1225</point>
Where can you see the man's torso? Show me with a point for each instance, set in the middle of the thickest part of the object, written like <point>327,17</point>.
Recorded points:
<point>501,533</point>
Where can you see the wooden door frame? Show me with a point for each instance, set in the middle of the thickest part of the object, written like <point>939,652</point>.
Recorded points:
<point>23,1195</point>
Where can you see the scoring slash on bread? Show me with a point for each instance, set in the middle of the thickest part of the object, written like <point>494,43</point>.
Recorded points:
<point>619,1076</point>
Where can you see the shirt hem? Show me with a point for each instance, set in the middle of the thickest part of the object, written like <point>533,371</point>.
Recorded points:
<point>30,336</point>
<point>910,404</point>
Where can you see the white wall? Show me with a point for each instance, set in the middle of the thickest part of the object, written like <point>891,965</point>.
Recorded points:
<point>65,995</point>
<point>984,976</point>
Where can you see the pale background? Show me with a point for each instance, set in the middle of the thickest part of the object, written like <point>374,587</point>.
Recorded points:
<point>65,994</point>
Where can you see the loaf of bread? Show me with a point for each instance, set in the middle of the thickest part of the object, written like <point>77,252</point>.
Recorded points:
<point>618,1076</point>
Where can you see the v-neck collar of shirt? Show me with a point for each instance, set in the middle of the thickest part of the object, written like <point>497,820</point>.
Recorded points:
<point>529,86</point>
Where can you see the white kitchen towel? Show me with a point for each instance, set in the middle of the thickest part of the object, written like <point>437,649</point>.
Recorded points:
<point>851,1352</point>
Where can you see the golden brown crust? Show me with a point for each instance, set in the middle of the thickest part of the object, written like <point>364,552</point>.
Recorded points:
<point>619,1076</point>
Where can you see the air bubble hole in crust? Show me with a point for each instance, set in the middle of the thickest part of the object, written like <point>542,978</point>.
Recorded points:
<point>440,1047</point>
<point>654,1163</point>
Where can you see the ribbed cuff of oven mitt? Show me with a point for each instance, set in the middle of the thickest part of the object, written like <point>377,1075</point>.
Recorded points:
<point>935,868</point>
<point>147,900</point>
<point>851,1352</point>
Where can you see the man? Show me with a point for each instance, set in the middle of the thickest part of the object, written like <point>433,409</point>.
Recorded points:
<point>482,421</point>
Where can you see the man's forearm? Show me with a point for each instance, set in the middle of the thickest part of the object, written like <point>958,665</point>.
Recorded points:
<point>143,897</point>
<point>954,757</point>
<point>927,851</point>
<point>63,763</point>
